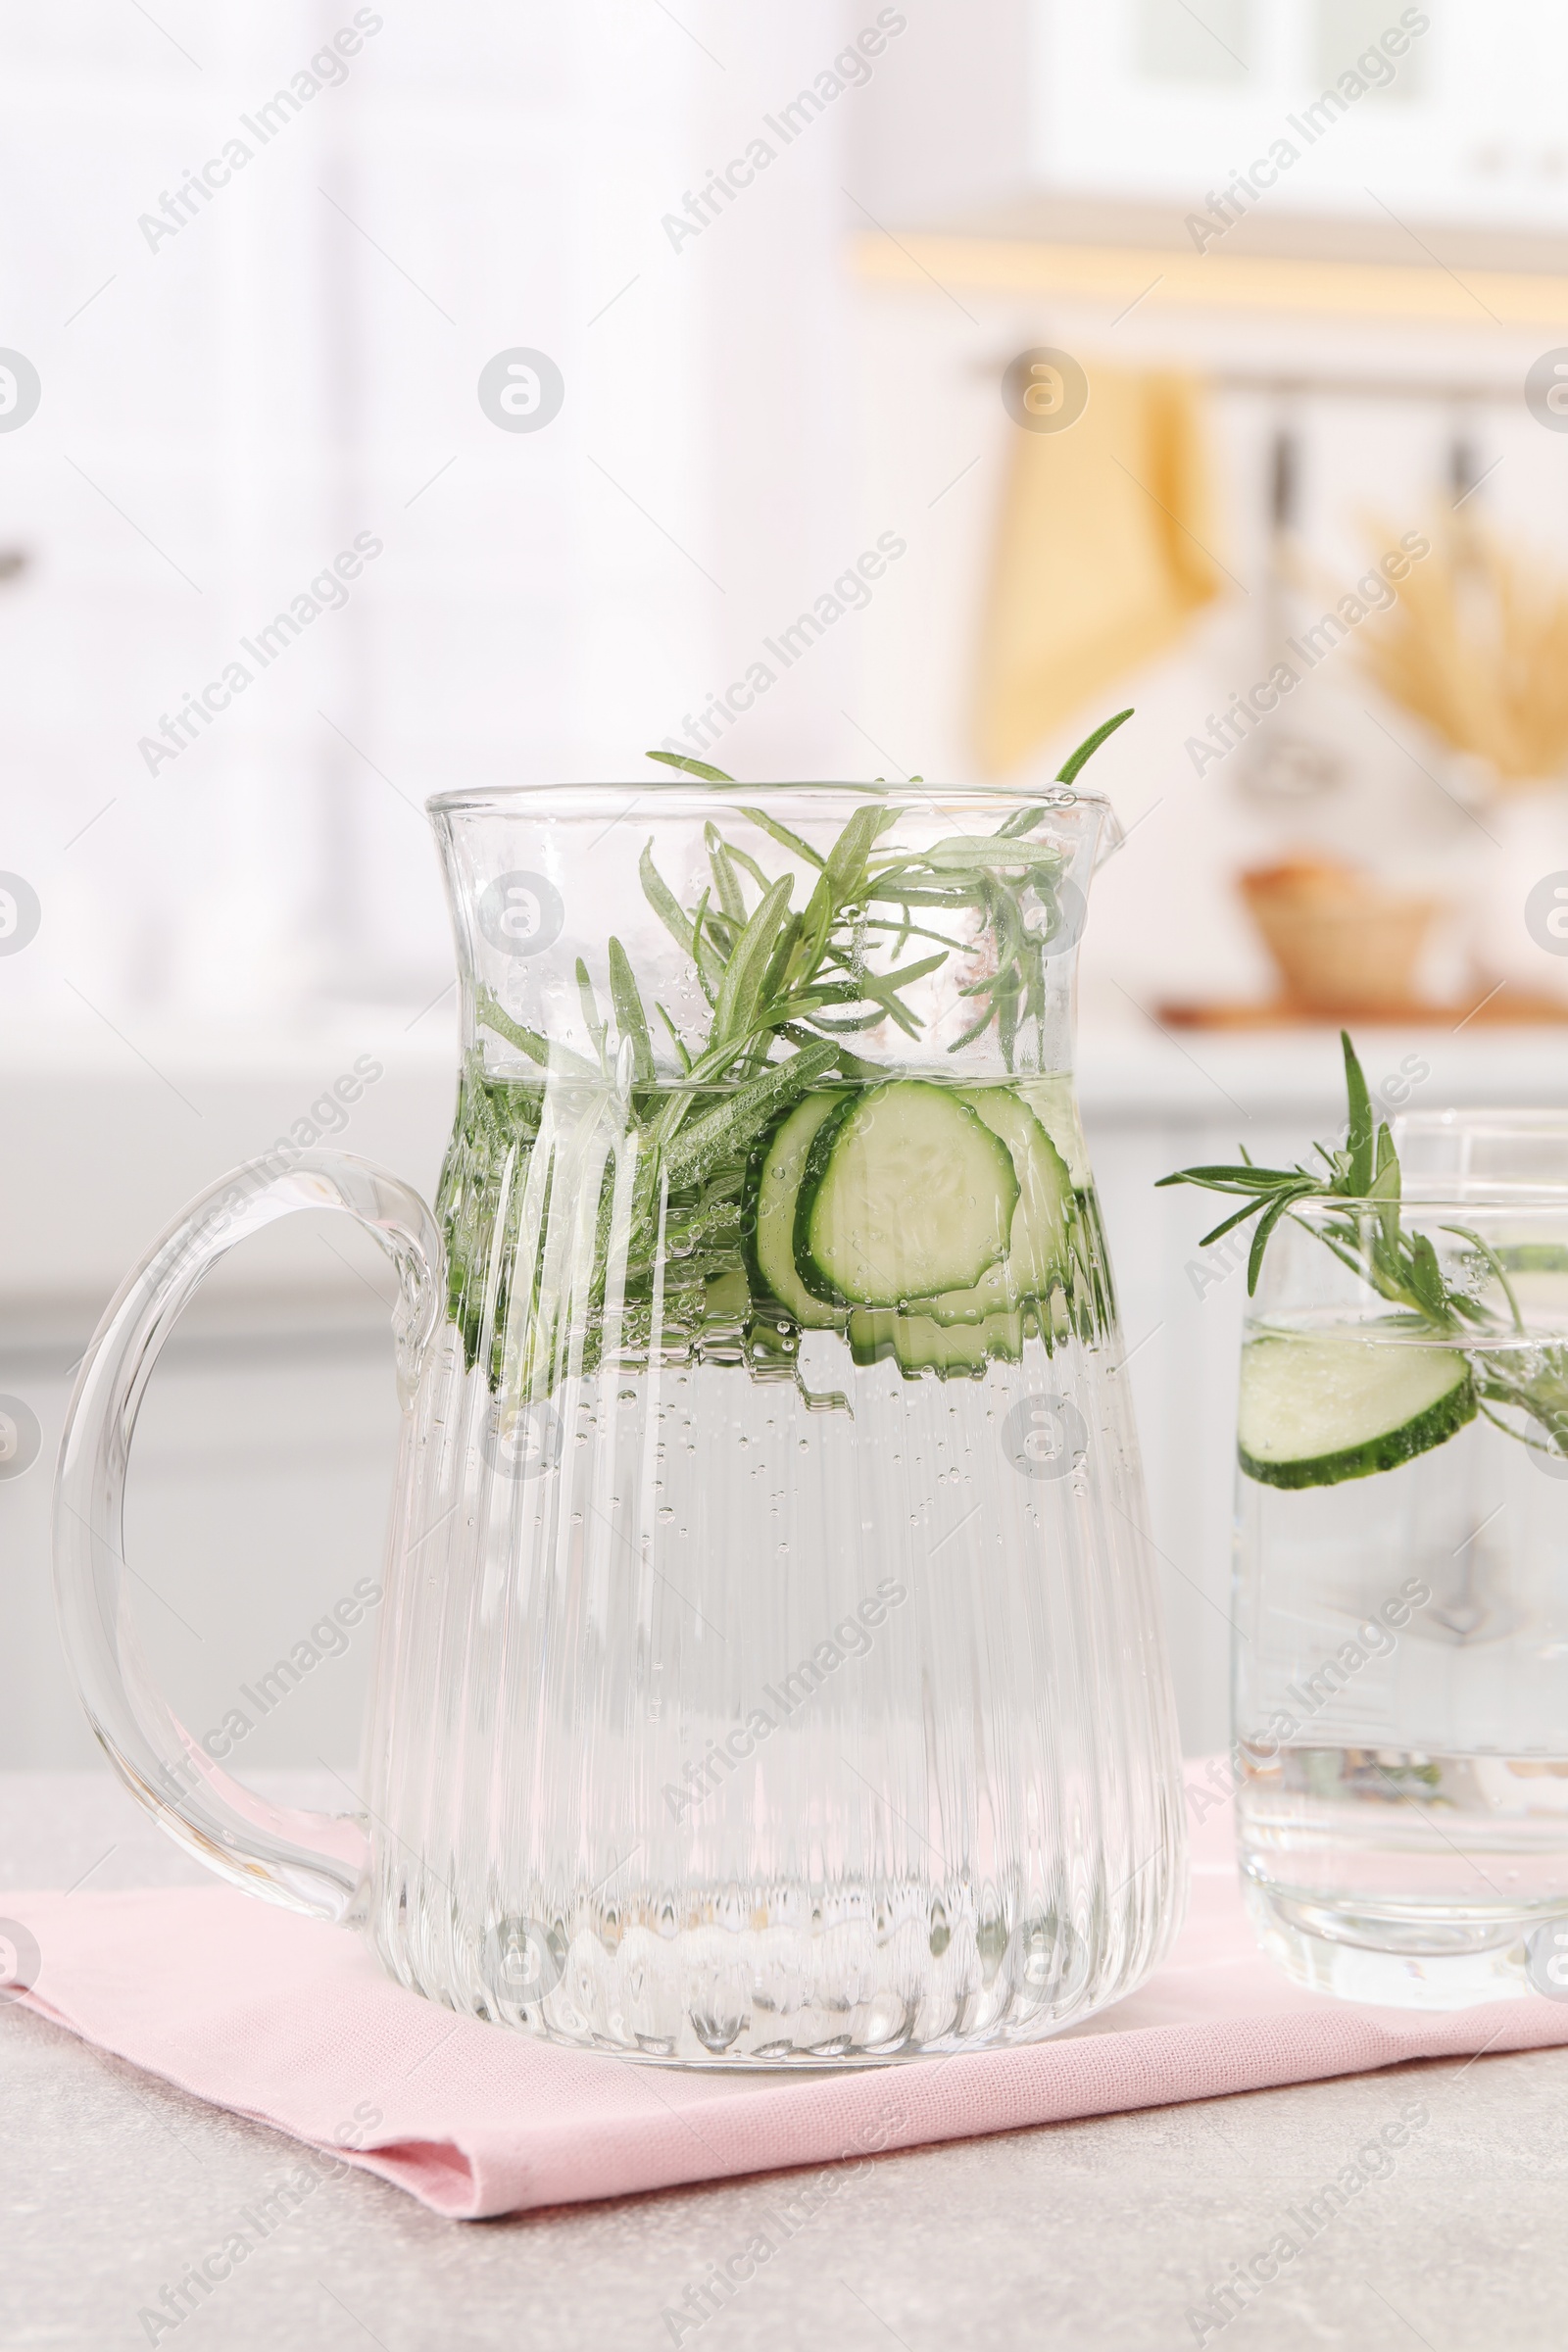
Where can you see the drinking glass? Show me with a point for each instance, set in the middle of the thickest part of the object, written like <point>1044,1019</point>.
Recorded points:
<point>1402,1587</point>
<point>1503,1147</point>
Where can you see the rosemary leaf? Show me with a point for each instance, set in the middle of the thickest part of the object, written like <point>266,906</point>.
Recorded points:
<point>1089,746</point>
<point>784,837</point>
<point>490,1015</point>
<point>629,1013</point>
<point>748,864</point>
<point>675,1038</point>
<point>1426,1275</point>
<point>726,881</point>
<point>984,853</point>
<point>708,954</point>
<point>662,900</point>
<point>849,1023</point>
<point>1358,1134</point>
<point>738,999</point>
<point>904,975</point>
<point>691,767</point>
<point>1244,1179</point>
<point>590,1013</point>
<point>977,1029</point>
<point>846,867</point>
<point>1005,1002</point>
<point>1261,1238</point>
<point>774,979</point>
<point>1008,926</point>
<point>1238,1216</point>
<point>730,1122</point>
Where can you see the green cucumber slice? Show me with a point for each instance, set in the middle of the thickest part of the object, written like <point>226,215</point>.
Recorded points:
<point>996,1292</point>
<point>1039,1244</point>
<point>872,1335</point>
<point>1055,1105</point>
<point>957,1350</point>
<point>769,1206</point>
<point>1317,1408</point>
<point>906,1193</point>
<point>917,1345</point>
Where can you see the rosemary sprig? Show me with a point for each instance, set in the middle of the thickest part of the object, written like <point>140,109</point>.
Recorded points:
<point>865,891</point>
<point>787,987</point>
<point>1401,1266</point>
<point>1366,1167</point>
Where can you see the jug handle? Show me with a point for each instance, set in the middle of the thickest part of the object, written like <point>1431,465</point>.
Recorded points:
<point>307,1861</point>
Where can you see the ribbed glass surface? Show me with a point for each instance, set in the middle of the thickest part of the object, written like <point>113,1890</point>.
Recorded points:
<point>735,1710</point>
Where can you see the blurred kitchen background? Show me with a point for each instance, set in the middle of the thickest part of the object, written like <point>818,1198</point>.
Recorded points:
<point>1187,349</point>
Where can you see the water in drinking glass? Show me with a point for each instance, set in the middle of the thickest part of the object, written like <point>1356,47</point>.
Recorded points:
<point>1400,1652</point>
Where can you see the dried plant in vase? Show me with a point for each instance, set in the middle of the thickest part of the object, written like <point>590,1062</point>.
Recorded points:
<point>1476,647</point>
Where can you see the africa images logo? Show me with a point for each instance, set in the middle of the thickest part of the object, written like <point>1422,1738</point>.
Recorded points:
<point>1547,913</point>
<point>1044,1437</point>
<point>521,913</point>
<point>19,390</point>
<point>522,390</point>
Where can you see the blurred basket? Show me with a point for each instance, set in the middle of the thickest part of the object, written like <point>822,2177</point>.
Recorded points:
<point>1341,941</point>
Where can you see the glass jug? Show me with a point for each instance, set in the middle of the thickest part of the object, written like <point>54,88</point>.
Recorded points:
<point>770,1670</point>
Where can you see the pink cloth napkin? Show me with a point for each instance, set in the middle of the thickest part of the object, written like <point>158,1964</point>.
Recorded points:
<point>294,2023</point>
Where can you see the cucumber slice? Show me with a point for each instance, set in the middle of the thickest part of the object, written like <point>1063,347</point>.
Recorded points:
<point>996,1292</point>
<point>1039,1244</point>
<point>1055,1105</point>
<point>872,1332</point>
<point>917,1345</point>
<point>906,1193</point>
<point>957,1350</point>
<point>1317,1408</point>
<point>768,1204</point>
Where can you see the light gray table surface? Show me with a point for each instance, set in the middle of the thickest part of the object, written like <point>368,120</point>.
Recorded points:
<point>1101,2232</point>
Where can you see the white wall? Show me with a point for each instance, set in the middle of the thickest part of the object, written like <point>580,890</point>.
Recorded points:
<point>225,408</point>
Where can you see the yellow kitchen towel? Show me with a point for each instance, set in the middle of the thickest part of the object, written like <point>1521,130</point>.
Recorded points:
<point>1103,555</point>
